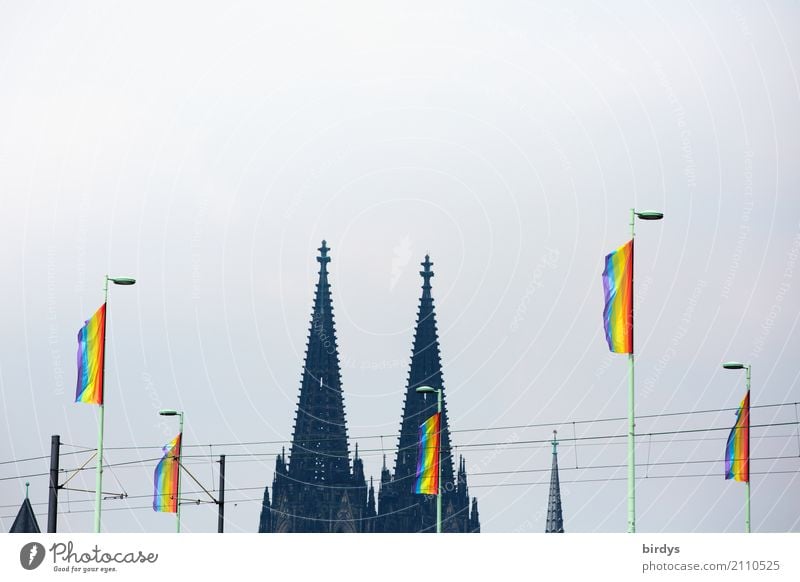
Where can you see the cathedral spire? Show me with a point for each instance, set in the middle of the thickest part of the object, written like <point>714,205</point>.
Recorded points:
<point>399,508</point>
<point>426,370</point>
<point>316,491</point>
<point>319,443</point>
<point>555,520</point>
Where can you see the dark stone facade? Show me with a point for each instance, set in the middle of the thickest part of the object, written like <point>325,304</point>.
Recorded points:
<point>317,490</point>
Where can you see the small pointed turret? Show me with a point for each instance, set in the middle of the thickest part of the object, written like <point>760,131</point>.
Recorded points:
<point>265,519</point>
<point>474,518</point>
<point>371,500</point>
<point>555,520</point>
<point>25,522</point>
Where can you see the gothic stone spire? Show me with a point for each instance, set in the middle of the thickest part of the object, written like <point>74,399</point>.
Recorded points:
<point>319,444</point>
<point>426,370</point>
<point>555,520</point>
<point>316,491</point>
<point>400,509</point>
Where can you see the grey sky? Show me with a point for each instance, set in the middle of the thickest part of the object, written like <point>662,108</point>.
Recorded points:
<point>207,151</point>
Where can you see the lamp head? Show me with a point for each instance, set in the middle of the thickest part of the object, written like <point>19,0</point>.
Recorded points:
<point>426,390</point>
<point>122,280</point>
<point>168,412</point>
<point>650,215</point>
<point>733,366</point>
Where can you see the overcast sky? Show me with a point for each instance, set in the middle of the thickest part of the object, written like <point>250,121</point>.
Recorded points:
<point>207,151</point>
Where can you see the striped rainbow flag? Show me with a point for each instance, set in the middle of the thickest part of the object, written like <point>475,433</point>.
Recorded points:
<point>91,348</point>
<point>428,460</point>
<point>737,451</point>
<point>165,478</point>
<point>618,288</point>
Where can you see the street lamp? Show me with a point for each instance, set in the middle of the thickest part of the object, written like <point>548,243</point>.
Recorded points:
<point>438,391</point>
<point>746,367</point>
<point>170,412</point>
<point>98,495</point>
<point>649,215</point>
<point>734,366</point>
<point>644,215</point>
<point>122,280</point>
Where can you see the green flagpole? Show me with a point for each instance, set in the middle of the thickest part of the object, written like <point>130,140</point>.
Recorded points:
<point>98,486</point>
<point>439,463</point>
<point>646,215</point>
<point>631,417</point>
<point>440,489</point>
<point>746,368</point>
<point>98,494</point>
<point>179,461</point>
<point>749,473</point>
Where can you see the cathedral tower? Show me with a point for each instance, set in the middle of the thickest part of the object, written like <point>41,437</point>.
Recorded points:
<point>316,490</point>
<point>399,508</point>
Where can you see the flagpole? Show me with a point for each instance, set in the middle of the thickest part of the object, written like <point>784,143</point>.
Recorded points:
<point>179,460</point>
<point>631,417</point>
<point>747,485</point>
<point>439,464</point>
<point>430,390</point>
<point>740,466</point>
<point>98,494</point>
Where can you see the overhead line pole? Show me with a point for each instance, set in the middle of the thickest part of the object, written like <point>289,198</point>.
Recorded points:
<point>52,505</point>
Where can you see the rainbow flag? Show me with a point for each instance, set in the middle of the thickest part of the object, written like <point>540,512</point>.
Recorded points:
<point>618,288</point>
<point>91,348</point>
<point>737,451</point>
<point>428,459</point>
<point>165,478</point>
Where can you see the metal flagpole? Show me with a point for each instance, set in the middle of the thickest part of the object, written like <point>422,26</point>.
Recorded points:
<point>98,494</point>
<point>646,215</point>
<point>631,418</point>
<point>747,485</point>
<point>439,496</point>
<point>736,462</point>
<point>179,460</point>
<point>429,390</point>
